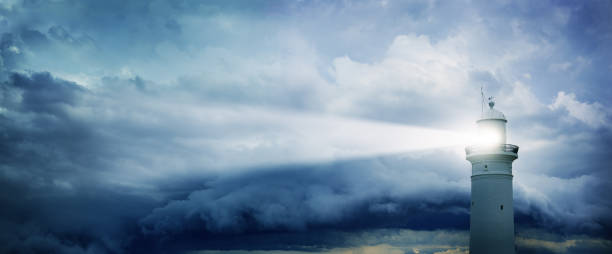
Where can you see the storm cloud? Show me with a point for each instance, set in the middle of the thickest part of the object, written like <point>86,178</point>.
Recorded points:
<point>291,127</point>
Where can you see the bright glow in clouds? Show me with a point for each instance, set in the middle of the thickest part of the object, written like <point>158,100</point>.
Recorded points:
<point>351,137</point>
<point>488,137</point>
<point>307,137</point>
<point>224,138</point>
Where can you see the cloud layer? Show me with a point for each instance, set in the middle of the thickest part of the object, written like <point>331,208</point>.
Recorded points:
<point>163,126</point>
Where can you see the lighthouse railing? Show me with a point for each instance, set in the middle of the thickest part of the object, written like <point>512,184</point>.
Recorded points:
<point>494,148</point>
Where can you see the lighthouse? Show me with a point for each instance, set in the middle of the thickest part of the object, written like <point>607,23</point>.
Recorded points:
<point>491,209</point>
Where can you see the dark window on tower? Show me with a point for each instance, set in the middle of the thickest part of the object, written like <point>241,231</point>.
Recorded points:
<point>501,207</point>
<point>486,166</point>
<point>472,203</point>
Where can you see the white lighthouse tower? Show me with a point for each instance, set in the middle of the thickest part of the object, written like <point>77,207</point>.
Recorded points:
<point>491,211</point>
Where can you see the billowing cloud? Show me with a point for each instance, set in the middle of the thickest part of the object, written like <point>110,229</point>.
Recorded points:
<point>339,195</point>
<point>592,114</point>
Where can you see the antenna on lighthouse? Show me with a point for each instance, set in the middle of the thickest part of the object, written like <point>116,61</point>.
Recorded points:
<point>481,100</point>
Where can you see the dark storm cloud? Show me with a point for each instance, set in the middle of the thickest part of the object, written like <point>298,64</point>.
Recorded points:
<point>41,93</point>
<point>45,98</point>
<point>345,194</point>
<point>348,196</point>
<point>40,138</point>
<point>591,171</point>
<point>82,219</point>
<point>51,203</point>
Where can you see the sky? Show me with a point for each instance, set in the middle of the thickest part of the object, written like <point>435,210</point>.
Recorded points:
<point>288,127</point>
